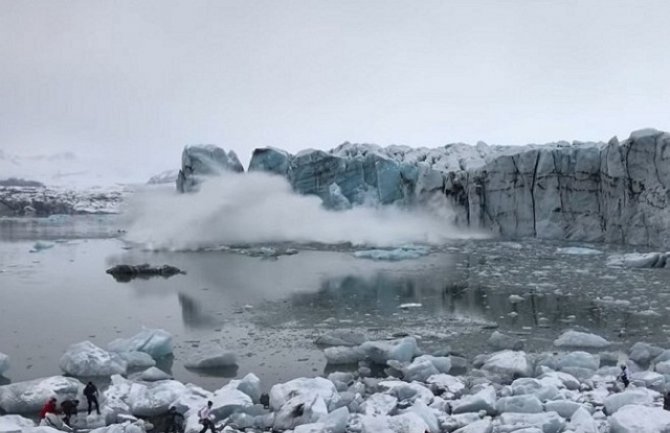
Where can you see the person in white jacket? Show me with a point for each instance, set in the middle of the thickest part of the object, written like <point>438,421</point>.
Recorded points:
<point>206,418</point>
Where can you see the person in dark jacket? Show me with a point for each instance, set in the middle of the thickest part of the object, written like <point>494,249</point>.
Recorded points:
<point>91,393</point>
<point>174,420</point>
<point>69,408</point>
<point>623,377</point>
<point>49,407</point>
<point>666,401</point>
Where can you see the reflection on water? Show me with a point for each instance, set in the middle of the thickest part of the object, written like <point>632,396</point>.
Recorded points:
<point>270,311</point>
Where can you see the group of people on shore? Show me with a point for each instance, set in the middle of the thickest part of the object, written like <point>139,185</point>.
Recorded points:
<point>68,408</point>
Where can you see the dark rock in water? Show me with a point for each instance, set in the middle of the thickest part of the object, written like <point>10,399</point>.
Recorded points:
<point>125,273</point>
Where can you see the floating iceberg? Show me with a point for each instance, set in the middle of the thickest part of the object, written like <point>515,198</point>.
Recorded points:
<point>639,260</point>
<point>396,254</point>
<point>581,339</point>
<point>155,342</point>
<point>211,357</point>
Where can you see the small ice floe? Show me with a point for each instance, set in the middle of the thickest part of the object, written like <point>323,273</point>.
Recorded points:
<point>639,260</point>
<point>578,251</point>
<point>406,252</point>
<point>515,299</point>
<point>41,246</point>
<point>409,305</point>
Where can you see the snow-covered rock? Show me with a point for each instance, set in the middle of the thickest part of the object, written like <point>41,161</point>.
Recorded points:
<point>155,342</point>
<point>640,419</point>
<point>30,396</point>
<point>87,359</point>
<point>576,339</point>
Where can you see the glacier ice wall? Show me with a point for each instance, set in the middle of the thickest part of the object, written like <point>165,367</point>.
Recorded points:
<point>581,191</point>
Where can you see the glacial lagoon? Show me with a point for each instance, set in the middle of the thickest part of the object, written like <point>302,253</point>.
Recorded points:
<point>270,310</point>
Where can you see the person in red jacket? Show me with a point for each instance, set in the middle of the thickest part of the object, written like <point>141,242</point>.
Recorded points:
<point>49,407</point>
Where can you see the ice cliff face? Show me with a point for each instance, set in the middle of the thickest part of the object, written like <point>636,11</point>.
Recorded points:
<point>613,192</point>
<point>204,160</point>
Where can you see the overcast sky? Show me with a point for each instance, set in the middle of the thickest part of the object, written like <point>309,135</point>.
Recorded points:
<point>132,82</point>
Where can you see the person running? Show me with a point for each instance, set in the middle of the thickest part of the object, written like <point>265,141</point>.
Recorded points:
<point>174,421</point>
<point>49,407</point>
<point>69,408</point>
<point>623,377</point>
<point>91,393</point>
<point>206,418</point>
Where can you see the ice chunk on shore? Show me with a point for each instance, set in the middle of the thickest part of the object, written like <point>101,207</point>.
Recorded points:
<point>380,352</point>
<point>581,339</point>
<point>520,404</point>
<point>500,341</point>
<point>29,396</point>
<point>425,366</point>
<point>407,393</point>
<point>581,421</point>
<point>155,342</point>
<point>483,400</point>
<point>4,363</point>
<point>14,423</point>
<point>249,384</point>
<point>549,422</point>
<point>339,355</point>
<point>529,386</point>
<point>379,404</point>
<point>508,364</point>
<point>87,359</point>
<point>565,408</point>
<point>635,396</point>
<point>481,426</point>
<point>281,393</point>
<point>640,419</point>
<point>444,383</point>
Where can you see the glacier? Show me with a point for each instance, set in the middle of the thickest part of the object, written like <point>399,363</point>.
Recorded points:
<point>615,191</point>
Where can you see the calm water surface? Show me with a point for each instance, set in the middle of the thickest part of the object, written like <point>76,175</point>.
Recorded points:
<point>270,311</point>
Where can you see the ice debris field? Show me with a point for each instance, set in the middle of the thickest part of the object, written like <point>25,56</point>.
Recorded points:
<point>392,387</point>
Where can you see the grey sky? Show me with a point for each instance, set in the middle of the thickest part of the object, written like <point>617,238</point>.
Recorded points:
<point>139,79</point>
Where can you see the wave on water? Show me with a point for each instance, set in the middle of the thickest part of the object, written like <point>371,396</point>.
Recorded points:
<point>257,208</point>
